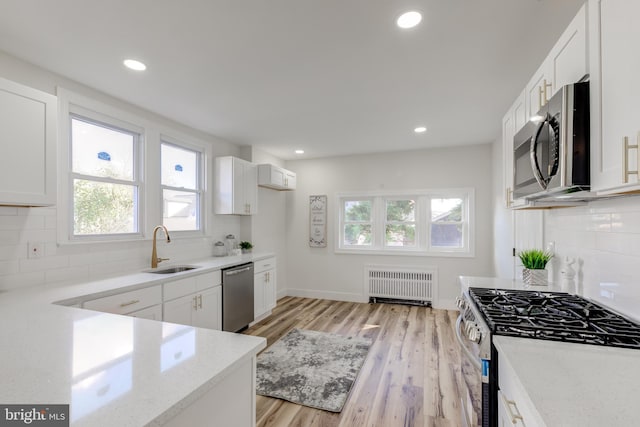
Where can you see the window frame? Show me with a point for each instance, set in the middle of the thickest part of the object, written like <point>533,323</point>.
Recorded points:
<point>423,222</point>
<point>99,119</point>
<point>343,223</point>
<point>200,184</point>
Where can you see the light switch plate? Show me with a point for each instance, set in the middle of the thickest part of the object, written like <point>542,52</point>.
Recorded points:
<point>36,249</point>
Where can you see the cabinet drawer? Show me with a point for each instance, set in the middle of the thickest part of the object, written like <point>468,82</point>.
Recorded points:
<point>127,302</point>
<point>264,265</point>
<point>189,285</point>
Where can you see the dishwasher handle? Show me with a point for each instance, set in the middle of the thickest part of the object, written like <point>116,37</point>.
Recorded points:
<point>238,271</point>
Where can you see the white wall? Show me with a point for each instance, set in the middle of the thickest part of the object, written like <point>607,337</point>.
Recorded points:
<point>78,263</point>
<point>604,238</point>
<point>319,272</point>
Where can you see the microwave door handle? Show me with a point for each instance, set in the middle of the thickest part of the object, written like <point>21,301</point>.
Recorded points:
<point>534,159</point>
<point>472,358</point>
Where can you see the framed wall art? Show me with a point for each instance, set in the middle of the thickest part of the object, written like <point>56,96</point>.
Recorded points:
<point>318,221</point>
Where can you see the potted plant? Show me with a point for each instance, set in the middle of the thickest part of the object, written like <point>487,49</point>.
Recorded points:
<point>534,262</point>
<point>246,247</point>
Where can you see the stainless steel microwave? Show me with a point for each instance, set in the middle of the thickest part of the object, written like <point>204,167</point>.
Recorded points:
<point>551,152</point>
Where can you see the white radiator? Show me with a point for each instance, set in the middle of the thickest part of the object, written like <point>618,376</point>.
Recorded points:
<point>404,283</point>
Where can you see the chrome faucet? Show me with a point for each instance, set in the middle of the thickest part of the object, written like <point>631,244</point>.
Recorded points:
<point>154,253</point>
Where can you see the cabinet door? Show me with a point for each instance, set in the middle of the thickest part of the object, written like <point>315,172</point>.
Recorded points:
<point>512,122</point>
<point>507,413</point>
<point>250,190</point>
<point>290,180</point>
<point>153,313</point>
<point>180,310</point>
<point>208,311</point>
<point>539,89</point>
<point>259,287</point>
<point>568,58</point>
<point>615,88</point>
<point>270,290</point>
<point>27,145</point>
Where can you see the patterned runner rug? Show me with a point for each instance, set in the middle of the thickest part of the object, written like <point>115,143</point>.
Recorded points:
<point>315,369</point>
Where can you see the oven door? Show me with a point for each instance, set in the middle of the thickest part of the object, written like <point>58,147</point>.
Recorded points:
<point>471,371</point>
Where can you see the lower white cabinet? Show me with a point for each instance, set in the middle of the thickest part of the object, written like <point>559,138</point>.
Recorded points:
<point>264,286</point>
<point>514,405</point>
<point>201,309</point>
<point>153,313</point>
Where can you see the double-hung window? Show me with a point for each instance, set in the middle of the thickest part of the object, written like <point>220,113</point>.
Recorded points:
<point>181,187</point>
<point>105,178</point>
<point>423,222</point>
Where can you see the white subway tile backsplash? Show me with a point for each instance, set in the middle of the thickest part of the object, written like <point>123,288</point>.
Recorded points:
<point>20,280</point>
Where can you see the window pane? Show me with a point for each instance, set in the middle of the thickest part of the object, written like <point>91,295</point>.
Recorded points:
<point>446,210</point>
<point>100,151</point>
<point>401,235</point>
<point>180,210</point>
<point>103,208</point>
<point>357,234</point>
<point>446,235</point>
<point>179,167</point>
<point>401,210</point>
<point>357,210</point>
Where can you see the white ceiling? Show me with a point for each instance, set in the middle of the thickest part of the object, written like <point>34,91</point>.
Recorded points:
<point>332,77</point>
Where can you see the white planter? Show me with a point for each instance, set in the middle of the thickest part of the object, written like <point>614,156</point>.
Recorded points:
<point>534,277</point>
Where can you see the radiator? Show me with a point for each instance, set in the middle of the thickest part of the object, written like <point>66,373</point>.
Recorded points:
<point>400,283</point>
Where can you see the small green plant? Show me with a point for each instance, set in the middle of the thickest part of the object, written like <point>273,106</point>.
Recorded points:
<point>534,259</point>
<point>245,246</point>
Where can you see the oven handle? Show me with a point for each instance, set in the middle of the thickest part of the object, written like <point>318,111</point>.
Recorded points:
<point>472,358</point>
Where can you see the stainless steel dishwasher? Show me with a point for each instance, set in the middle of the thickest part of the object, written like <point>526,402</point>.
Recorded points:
<point>237,297</point>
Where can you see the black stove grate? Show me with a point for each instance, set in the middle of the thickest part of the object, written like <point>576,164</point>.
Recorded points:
<point>554,316</point>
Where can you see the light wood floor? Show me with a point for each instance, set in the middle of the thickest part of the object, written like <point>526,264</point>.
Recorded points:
<point>411,375</point>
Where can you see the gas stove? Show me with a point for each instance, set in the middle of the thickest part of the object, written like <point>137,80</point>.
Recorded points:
<point>553,316</point>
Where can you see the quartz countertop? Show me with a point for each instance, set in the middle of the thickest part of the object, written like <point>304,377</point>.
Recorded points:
<point>467,282</point>
<point>112,369</point>
<point>575,384</point>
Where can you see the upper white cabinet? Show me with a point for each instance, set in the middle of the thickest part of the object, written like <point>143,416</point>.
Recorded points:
<point>27,146</point>
<point>615,91</point>
<point>566,63</point>
<point>512,122</point>
<point>277,178</point>
<point>236,186</point>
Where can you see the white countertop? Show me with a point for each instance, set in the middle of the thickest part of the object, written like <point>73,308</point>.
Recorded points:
<point>467,282</point>
<point>576,384</point>
<point>113,370</point>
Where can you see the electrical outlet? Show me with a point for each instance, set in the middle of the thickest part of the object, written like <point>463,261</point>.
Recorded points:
<point>36,250</point>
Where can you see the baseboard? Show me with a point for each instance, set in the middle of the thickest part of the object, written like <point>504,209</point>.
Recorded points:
<point>336,296</point>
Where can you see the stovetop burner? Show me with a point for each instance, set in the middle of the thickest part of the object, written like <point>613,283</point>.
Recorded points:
<point>554,316</point>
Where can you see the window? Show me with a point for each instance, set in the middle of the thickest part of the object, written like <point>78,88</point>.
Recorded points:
<point>104,178</point>
<point>426,222</point>
<point>181,188</point>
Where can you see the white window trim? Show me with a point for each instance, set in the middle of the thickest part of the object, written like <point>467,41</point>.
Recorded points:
<point>201,190</point>
<point>70,103</point>
<point>423,215</point>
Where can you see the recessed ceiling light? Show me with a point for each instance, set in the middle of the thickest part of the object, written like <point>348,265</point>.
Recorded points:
<point>420,129</point>
<point>409,19</point>
<point>134,65</point>
<point>299,151</point>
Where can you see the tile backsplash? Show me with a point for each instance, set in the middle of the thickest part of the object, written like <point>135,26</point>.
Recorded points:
<point>76,263</point>
<point>604,238</point>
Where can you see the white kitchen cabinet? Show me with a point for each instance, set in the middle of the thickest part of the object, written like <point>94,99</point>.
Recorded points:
<point>614,36</point>
<point>514,405</point>
<point>27,146</point>
<point>512,122</point>
<point>277,178</point>
<point>127,302</point>
<point>264,285</point>
<point>194,301</point>
<point>236,186</point>
<point>566,63</point>
<point>152,313</point>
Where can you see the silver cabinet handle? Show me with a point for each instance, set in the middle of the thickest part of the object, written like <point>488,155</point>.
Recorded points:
<point>195,303</point>
<point>125,304</point>
<point>200,301</point>
<point>509,404</point>
<point>625,158</point>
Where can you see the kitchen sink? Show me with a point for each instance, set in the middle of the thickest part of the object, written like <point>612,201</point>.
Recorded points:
<point>171,270</point>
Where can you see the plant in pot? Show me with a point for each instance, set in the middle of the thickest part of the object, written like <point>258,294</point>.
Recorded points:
<point>534,262</point>
<point>246,247</point>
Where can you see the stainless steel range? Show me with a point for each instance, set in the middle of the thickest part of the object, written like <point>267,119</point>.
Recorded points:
<point>557,316</point>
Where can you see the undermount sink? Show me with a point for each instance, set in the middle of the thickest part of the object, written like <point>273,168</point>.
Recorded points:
<point>171,270</point>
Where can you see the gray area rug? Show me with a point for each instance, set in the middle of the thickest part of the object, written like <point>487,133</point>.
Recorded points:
<point>315,369</point>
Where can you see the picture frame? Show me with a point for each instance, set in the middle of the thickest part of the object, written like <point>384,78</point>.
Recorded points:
<point>318,221</point>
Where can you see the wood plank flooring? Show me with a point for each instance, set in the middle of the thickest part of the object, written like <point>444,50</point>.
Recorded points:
<point>411,375</point>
